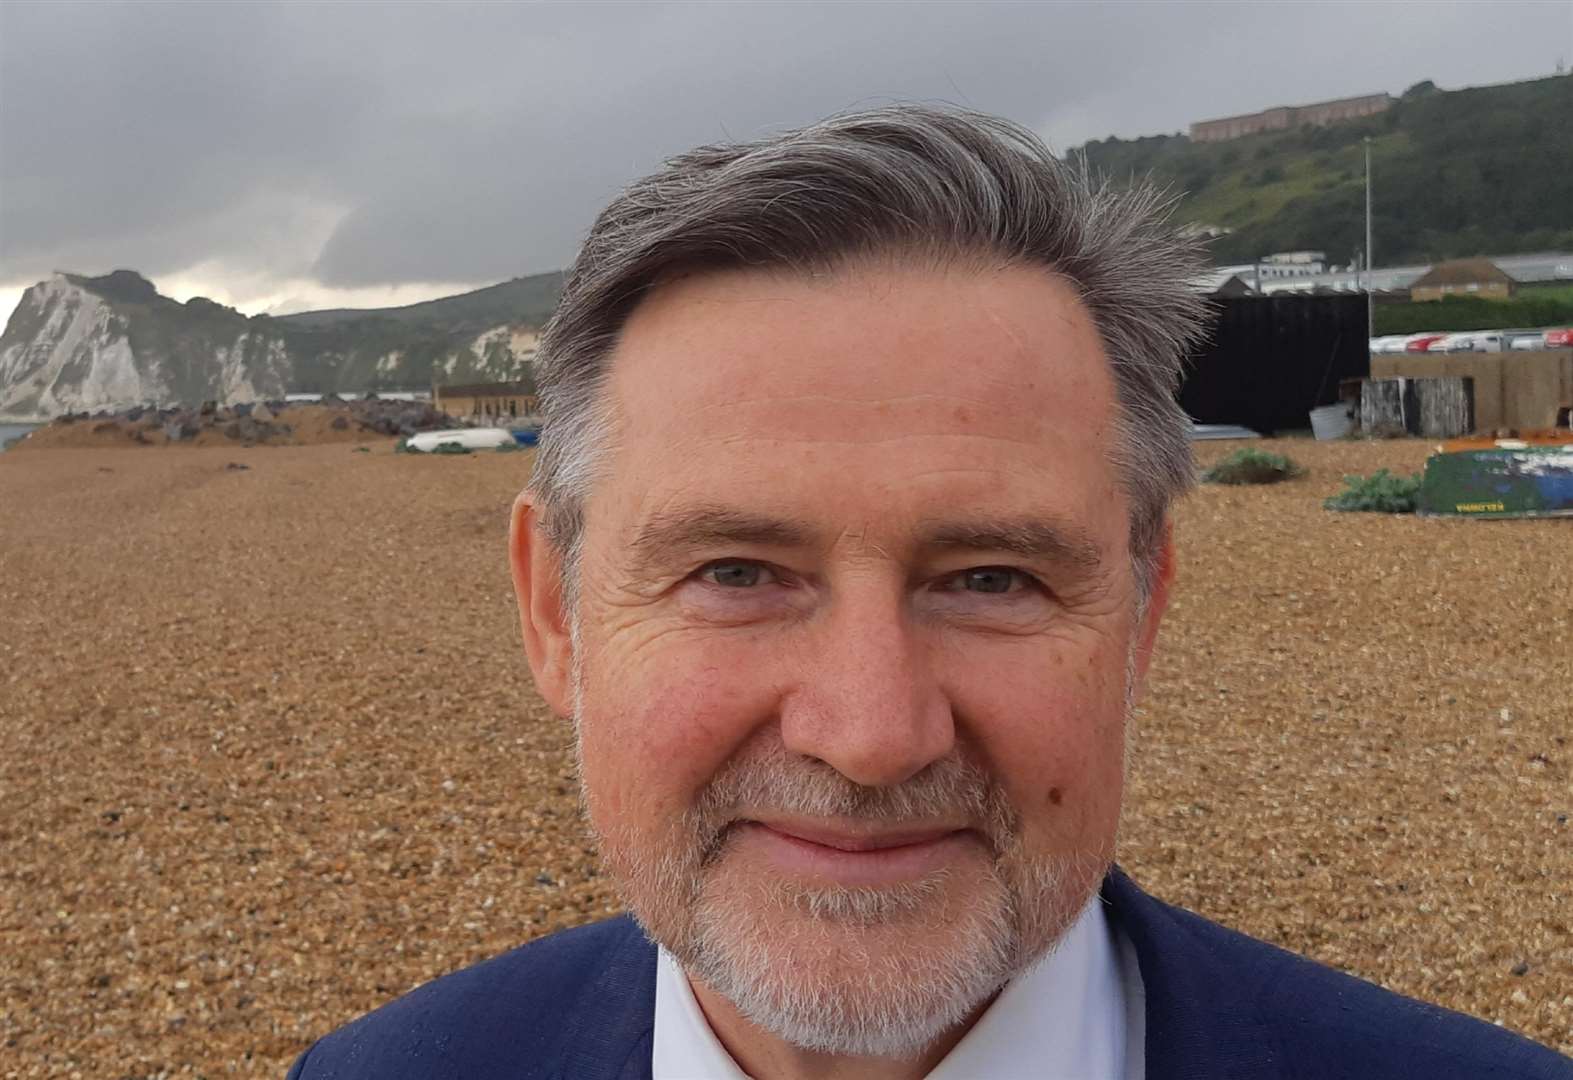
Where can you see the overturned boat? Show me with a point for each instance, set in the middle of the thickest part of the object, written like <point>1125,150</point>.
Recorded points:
<point>1511,478</point>
<point>464,438</point>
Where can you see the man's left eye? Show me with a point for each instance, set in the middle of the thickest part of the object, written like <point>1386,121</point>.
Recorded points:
<point>736,574</point>
<point>990,579</point>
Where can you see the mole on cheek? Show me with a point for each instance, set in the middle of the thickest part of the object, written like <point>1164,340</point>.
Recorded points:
<point>1054,796</point>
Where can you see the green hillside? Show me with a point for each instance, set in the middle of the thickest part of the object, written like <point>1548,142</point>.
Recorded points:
<point>1454,173</point>
<point>529,300</point>
<point>416,344</point>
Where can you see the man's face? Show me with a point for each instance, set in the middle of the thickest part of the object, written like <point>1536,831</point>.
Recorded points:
<point>857,630</point>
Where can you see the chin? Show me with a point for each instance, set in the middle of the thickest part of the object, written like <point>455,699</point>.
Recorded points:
<point>868,972</point>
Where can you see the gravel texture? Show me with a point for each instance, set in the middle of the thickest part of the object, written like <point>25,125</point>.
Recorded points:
<point>271,755</point>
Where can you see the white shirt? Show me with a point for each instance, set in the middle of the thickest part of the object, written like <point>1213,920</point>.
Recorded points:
<point>1077,1015</point>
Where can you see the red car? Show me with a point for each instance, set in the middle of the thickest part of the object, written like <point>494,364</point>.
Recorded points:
<point>1560,339</point>
<point>1421,342</point>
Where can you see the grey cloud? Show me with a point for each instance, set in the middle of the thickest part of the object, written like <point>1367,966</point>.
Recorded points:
<point>365,144</point>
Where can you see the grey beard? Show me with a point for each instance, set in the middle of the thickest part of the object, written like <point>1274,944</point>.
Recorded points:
<point>879,1000</point>
<point>880,972</point>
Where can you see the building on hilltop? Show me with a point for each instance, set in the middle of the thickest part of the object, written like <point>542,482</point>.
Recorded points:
<point>1293,264</point>
<point>487,402</point>
<point>1463,277</point>
<point>1269,269</point>
<point>1285,117</point>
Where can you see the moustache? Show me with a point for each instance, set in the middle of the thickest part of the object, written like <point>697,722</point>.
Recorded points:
<point>771,781</point>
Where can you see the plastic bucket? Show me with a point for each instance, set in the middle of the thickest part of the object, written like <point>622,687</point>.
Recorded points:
<point>1332,421</point>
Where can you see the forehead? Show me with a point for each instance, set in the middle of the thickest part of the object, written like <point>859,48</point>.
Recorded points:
<point>886,384</point>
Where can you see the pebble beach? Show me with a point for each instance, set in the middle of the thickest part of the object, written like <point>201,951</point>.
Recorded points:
<point>272,755</point>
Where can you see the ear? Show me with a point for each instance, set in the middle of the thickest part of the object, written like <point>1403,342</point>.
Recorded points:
<point>1157,604</point>
<point>543,617</point>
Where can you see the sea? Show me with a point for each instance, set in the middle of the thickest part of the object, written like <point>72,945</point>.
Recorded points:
<point>13,431</point>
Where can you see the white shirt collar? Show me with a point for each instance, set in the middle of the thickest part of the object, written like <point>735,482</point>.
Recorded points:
<point>1068,1018</point>
<point>685,1047</point>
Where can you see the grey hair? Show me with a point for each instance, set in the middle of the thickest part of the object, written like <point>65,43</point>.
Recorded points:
<point>937,182</point>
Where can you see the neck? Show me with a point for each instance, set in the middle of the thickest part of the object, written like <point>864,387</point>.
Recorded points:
<point>761,1054</point>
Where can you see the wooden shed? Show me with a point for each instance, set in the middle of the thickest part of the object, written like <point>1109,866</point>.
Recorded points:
<point>1463,277</point>
<point>498,403</point>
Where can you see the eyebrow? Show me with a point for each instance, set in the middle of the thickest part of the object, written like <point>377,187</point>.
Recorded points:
<point>1028,537</point>
<point>671,535</point>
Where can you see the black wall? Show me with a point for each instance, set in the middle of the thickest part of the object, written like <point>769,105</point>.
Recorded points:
<point>1271,360</point>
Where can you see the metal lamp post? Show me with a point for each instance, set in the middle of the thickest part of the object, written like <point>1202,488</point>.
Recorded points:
<point>1370,296</point>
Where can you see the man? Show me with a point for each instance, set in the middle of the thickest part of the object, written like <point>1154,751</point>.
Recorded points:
<point>846,550</point>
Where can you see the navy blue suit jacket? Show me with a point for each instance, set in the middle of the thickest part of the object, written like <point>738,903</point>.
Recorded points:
<point>580,1005</point>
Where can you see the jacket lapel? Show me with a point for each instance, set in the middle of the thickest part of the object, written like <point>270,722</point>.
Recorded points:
<point>1202,1019</point>
<point>608,1033</point>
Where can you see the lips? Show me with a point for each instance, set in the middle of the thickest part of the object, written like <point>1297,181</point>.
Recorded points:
<point>851,841</point>
<point>852,858</point>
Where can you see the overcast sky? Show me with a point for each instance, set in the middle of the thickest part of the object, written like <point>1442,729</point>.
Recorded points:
<point>292,155</point>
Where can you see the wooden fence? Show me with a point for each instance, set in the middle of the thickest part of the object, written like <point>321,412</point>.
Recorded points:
<point>1511,390</point>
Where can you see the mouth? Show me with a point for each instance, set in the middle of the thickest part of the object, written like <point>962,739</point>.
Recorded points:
<point>853,858</point>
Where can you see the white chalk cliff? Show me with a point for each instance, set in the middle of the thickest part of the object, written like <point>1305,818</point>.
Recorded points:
<point>71,347</point>
<point>77,344</point>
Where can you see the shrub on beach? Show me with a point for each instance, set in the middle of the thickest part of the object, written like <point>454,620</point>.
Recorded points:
<point>1250,466</point>
<point>1382,492</point>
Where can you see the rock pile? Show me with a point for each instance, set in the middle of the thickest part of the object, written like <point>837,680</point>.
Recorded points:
<point>263,423</point>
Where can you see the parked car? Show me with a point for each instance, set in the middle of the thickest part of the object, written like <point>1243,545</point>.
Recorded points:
<point>1560,338</point>
<point>1523,340</point>
<point>1488,341</point>
<point>1383,344</point>
<point>1451,343</point>
<point>1421,342</point>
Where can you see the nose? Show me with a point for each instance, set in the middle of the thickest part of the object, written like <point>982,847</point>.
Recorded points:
<point>867,702</point>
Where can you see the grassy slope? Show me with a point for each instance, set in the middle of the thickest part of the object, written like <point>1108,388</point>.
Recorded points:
<point>1468,172</point>
<point>528,300</point>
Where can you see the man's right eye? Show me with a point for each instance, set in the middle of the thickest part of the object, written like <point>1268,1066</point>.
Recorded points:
<point>736,574</point>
